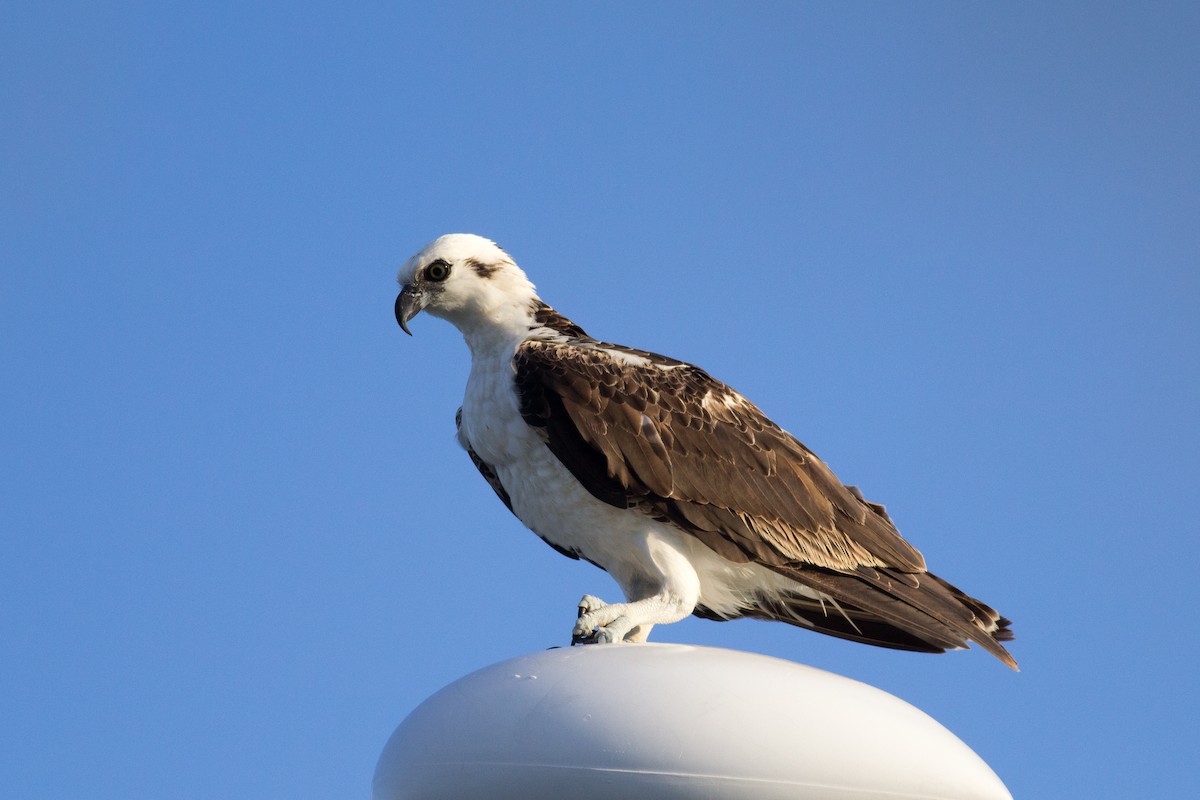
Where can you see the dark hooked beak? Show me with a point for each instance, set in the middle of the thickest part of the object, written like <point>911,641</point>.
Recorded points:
<point>409,303</point>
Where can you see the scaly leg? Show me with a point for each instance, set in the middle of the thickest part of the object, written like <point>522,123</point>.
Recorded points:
<point>668,596</point>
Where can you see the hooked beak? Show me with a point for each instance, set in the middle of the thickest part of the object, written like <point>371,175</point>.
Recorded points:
<point>409,303</point>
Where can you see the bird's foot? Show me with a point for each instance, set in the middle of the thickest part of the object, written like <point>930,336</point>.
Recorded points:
<point>598,622</point>
<point>587,604</point>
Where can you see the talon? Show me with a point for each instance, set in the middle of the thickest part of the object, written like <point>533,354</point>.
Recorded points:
<point>584,634</point>
<point>598,622</point>
<point>604,636</point>
<point>583,628</point>
<point>589,603</point>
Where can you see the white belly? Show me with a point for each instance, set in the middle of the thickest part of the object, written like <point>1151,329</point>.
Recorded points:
<point>545,496</point>
<point>638,551</point>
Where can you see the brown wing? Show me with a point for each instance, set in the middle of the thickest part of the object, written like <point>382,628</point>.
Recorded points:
<point>641,430</point>
<point>672,438</point>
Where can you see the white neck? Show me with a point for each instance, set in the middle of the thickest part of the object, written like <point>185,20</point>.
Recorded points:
<point>495,329</point>
<point>499,332</point>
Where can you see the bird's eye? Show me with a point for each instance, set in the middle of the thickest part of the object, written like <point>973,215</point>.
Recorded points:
<point>437,271</point>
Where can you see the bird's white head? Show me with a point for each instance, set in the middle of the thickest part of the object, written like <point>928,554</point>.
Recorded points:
<point>469,281</point>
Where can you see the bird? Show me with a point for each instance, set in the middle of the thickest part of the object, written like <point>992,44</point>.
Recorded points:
<point>688,495</point>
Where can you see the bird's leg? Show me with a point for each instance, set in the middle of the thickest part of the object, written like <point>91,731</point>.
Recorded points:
<point>600,632</point>
<point>668,596</point>
<point>639,633</point>
<point>626,622</point>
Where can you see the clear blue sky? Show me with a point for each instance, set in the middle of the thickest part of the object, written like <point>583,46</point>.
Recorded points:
<point>953,247</point>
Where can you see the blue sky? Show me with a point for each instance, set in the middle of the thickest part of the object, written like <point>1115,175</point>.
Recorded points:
<point>954,248</point>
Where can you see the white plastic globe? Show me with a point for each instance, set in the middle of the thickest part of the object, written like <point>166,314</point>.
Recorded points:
<point>671,721</point>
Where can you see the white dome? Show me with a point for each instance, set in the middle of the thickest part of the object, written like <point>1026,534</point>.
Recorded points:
<point>672,721</point>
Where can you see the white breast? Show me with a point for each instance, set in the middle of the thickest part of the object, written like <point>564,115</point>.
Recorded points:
<point>491,420</point>
<point>545,496</point>
<point>553,504</point>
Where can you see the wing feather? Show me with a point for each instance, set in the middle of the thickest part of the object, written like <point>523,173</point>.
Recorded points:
<point>678,441</point>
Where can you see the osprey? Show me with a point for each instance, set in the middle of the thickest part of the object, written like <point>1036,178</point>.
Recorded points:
<point>679,487</point>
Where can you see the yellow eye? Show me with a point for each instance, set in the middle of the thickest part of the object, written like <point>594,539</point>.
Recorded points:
<point>437,271</point>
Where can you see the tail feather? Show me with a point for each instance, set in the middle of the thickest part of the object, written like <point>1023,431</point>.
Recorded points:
<point>909,611</point>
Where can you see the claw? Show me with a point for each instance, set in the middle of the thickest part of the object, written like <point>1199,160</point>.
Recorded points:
<point>584,633</point>
<point>584,638</point>
<point>589,603</point>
